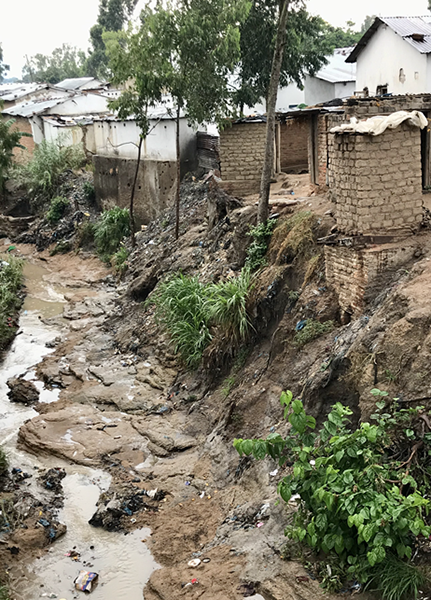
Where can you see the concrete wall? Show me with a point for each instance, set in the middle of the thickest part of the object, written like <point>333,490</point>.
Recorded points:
<point>294,135</point>
<point>242,148</point>
<point>382,59</point>
<point>376,182</point>
<point>318,90</point>
<point>345,89</point>
<point>113,179</point>
<point>121,138</point>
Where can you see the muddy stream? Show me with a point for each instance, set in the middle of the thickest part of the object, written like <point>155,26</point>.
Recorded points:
<point>123,562</point>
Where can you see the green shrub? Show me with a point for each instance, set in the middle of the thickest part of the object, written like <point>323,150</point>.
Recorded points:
<point>57,208</point>
<point>41,175</point>
<point>189,310</point>
<point>261,236</point>
<point>4,463</point>
<point>311,331</point>
<point>4,594</point>
<point>112,227</point>
<point>11,280</point>
<point>360,494</point>
<point>89,191</point>
<point>119,260</point>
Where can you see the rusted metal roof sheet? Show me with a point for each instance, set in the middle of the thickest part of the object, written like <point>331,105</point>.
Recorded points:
<point>416,31</point>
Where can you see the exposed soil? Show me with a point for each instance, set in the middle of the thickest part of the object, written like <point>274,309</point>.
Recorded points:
<point>164,434</point>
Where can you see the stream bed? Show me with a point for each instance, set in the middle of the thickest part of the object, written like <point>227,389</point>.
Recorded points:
<point>123,562</point>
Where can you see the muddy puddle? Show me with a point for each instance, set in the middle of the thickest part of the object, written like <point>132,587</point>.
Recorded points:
<point>123,562</point>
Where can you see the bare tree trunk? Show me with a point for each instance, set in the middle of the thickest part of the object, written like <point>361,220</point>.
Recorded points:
<point>177,190</point>
<point>268,162</point>
<point>132,196</point>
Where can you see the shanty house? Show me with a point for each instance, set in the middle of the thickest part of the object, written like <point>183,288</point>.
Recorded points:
<point>394,56</point>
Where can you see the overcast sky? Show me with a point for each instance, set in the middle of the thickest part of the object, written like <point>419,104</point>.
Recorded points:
<point>34,26</point>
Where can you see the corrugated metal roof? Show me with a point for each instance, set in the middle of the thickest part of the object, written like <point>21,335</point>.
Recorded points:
<point>406,27</point>
<point>83,83</point>
<point>13,91</point>
<point>337,71</point>
<point>27,109</point>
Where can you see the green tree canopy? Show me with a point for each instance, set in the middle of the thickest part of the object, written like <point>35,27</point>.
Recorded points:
<point>113,14</point>
<point>65,62</point>
<point>339,37</point>
<point>368,21</point>
<point>3,68</point>
<point>305,49</point>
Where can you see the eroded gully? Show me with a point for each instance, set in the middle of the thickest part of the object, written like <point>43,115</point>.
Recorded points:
<point>123,561</point>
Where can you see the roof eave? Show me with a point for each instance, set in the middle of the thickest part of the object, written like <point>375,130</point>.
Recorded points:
<point>353,56</point>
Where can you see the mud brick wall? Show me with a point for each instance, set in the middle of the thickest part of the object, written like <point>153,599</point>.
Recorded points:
<point>23,125</point>
<point>358,276</point>
<point>376,181</point>
<point>294,135</point>
<point>113,180</point>
<point>242,149</point>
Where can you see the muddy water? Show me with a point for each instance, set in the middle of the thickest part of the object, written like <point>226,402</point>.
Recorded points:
<point>123,562</point>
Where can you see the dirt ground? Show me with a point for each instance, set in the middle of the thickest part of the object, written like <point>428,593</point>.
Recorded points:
<point>131,408</point>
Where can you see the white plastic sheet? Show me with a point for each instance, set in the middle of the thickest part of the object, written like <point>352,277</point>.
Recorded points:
<point>377,125</point>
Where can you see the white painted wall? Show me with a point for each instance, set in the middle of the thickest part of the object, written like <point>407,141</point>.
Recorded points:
<point>380,62</point>
<point>121,138</point>
<point>318,90</point>
<point>345,89</point>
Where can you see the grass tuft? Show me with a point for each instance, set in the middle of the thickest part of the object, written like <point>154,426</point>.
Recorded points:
<point>4,463</point>
<point>397,580</point>
<point>57,208</point>
<point>119,260</point>
<point>190,310</point>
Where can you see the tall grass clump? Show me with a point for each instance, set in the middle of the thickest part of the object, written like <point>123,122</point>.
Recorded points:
<point>190,312</point>
<point>395,579</point>
<point>11,280</point>
<point>4,594</point>
<point>112,227</point>
<point>41,175</point>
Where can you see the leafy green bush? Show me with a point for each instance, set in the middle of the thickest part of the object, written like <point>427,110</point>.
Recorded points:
<point>311,330</point>
<point>9,140</point>
<point>188,310</point>
<point>119,260</point>
<point>360,497</point>
<point>112,227</point>
<point>50,160</point>
<point>57,208</point>
<point>261,235</point>
<point>11,280</point>
<point>89,191</point>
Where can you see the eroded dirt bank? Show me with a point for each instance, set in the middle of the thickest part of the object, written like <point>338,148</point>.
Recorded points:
<point>164,434</point>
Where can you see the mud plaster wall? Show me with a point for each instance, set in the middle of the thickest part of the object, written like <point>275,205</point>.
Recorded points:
<point>242,149</point>
<point>294,135</point>
<point>357,276</point>
<point>376,182</point>
<point>113,180</point>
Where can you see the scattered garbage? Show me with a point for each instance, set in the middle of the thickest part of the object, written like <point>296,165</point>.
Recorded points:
<point>85,581</point>
<point>194,563</point>
<point>260,524</point>
<point>274,473</point>
<point>206,560</point>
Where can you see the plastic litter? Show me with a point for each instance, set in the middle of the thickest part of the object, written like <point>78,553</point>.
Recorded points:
<point>274,473</point>
<point>206,560</point>
<point>194,563</point>
<point>202,495</point>
<point>85,581</point>
<point>260,524</point>
<point>300,325</point>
